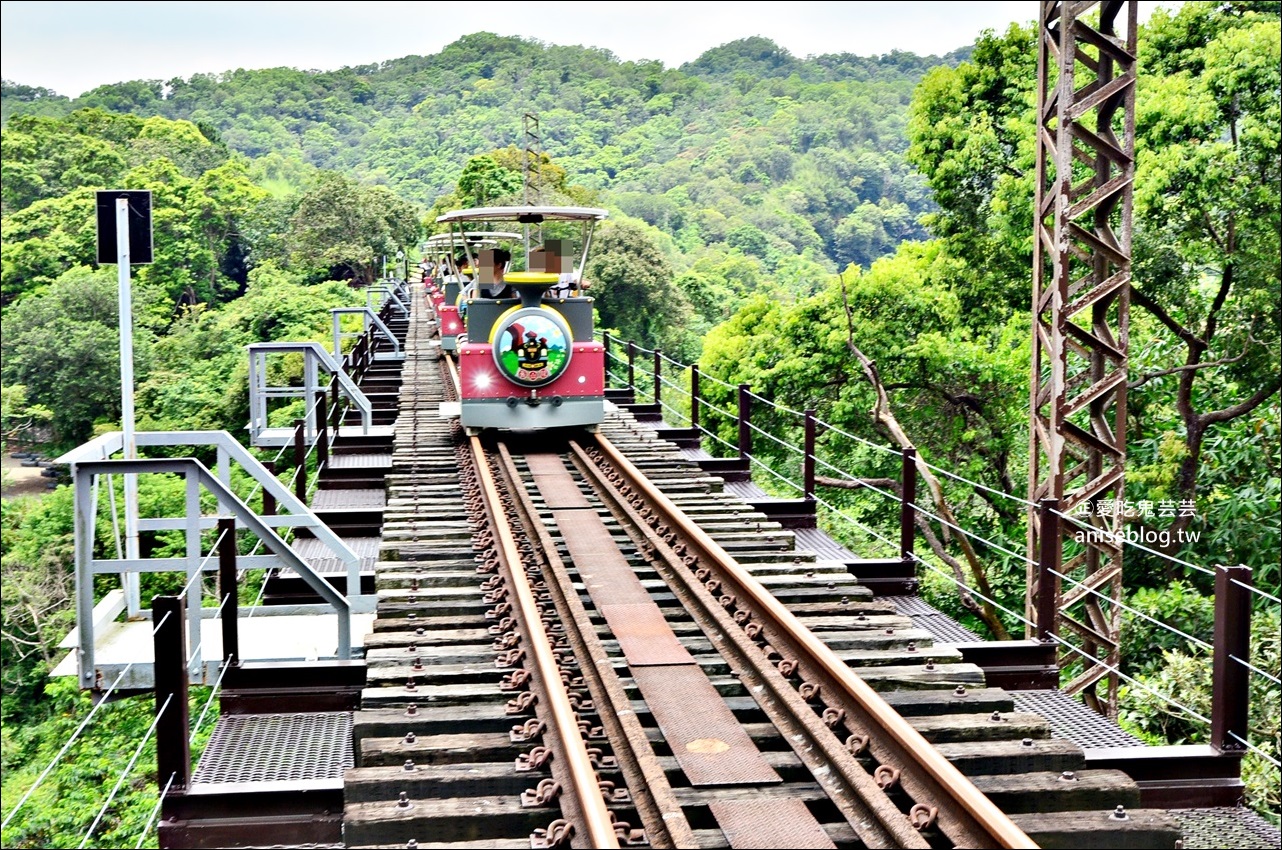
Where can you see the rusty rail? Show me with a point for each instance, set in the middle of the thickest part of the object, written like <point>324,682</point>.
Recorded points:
<point>582,777</point>
<point>970,818</point>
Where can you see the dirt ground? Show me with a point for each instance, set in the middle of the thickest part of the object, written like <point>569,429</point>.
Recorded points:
<point>20,480</point>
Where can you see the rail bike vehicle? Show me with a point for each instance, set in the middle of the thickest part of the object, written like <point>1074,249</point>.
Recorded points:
<point>527,358</point>
<point>437,248</point>
<point>447,295</point>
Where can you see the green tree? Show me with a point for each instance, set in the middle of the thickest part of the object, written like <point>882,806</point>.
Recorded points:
<point>634,291</point>
<point>1209,210</point>
<point>484,182</point>
<point>343,227</point>
<point>63,345</point>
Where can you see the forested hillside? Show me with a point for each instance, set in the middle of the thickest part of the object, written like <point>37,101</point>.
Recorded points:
<point>746,147</point>
<point>785,221</point>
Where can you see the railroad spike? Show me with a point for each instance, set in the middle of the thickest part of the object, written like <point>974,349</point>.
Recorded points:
<point>533,760</point>
<point>612,794</point>
<point>515,680</point>
<point>886,777</point>
<point>923,817</point>
<point>544,793</point>
<point>528,731</point>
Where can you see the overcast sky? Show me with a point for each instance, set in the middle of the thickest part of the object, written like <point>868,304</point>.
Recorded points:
<point>71,47</point>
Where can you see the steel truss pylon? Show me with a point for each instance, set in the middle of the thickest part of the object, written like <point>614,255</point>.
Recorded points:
<point>1081,295</point>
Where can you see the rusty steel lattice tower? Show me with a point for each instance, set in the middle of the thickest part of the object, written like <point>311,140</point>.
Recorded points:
<point>532,158</point>
<point>1081,296</point>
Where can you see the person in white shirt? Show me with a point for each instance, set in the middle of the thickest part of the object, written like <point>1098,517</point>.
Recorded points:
<point>553,258</point>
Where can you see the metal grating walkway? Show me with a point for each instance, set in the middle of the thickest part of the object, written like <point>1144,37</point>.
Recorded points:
<point>1231,829</point>
<point>363,499</point>
<point>926,616</point>
<point>323,560</point>
<point>277,748</point>
<point>1071,720</point>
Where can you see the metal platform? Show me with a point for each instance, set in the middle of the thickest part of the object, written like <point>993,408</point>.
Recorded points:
<point>349,461</point>
<point>325,562</point>
<point>270,634</point>
<point>926,616</point>
<point>276,437</point>
<point>355,499</point>
<point>1072,720</point>
<point>277,748</point>
<point>1230,828</point>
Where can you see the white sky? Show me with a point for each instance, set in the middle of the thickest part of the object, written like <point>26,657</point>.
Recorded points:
<point>72,47</point>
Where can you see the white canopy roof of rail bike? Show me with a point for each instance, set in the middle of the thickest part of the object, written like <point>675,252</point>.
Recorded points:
<point>445,239</point>
<point>526,214</point>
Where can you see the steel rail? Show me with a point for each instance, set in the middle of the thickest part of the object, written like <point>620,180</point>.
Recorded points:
<point>867,808</point>
<point>905,743</point>
<point>585,789</point>
<point>662,818</point>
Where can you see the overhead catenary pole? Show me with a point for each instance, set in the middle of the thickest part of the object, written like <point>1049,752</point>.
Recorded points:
<point>132,550</point>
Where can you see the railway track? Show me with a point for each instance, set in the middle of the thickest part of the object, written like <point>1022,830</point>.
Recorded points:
<point>582,642</point>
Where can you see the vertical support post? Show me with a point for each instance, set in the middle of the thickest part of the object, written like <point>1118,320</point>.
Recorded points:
<point>658,365</point>
<point>84,531</point>
<point>322,431</point>
<point>808,461</point>
<point>269,501</point>
<point>605,347</point>
<point>227,590</point>
<point>694,397</point>
<point>173,753</point>
<point>224,475</point>
<point>195,569</point>
<point>1048,564</point>
<point>1230,679</point>
<point>311,383</point>
<point>130,580</point>
<point>300,461</point>
<point>632,369</point>
<point>907,499</point>
<point>745,423</point>
<point>334,405</point>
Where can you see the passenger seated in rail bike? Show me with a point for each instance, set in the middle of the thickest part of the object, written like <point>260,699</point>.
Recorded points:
<point>553,257</point>
<point>492,267</point>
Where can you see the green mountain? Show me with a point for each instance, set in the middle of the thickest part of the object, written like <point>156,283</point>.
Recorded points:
<point>747,147</point>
